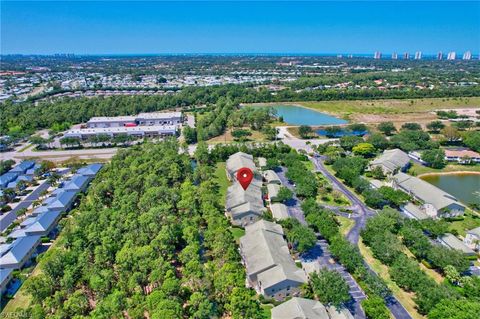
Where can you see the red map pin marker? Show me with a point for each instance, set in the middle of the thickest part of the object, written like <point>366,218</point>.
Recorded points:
<point>244,177</point>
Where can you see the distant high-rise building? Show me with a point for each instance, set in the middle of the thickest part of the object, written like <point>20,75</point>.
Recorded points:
<point>377,55</point>
<point>394,56</point>
<point>406,56</point>
<point>451,55</point>
<point>467,55</point>
<point>418,55</point>
<point>440,55</point>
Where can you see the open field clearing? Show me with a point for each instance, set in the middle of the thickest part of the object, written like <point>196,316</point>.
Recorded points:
<point>418,169</point>
<point>347,108</point>
<point>398,110</point>
<point>228,138</point>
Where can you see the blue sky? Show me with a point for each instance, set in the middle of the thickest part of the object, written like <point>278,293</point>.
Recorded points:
<point>123,27</point>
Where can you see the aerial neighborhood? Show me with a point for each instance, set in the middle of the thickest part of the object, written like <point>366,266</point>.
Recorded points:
<point>29,227</point>
<point>245,184</point>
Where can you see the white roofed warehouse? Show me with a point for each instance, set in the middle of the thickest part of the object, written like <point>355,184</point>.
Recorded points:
<point>142,119</point>
<point>135,131</point>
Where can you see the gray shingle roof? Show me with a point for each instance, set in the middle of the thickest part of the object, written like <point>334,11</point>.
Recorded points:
<point>475,231</point>
<point>425,191</point>
<point>40,209</point>
<point>4,248</point>
<point>23,167</point>
<point>26,178</point>
<point>342,313</point>
<point>415,211</point>
<point>76,183</point>
<point>453,242</point>
<point>7,178</point>
<point>267,256</point>
<point>236,196</point>
<point>300,308</point>
<point>17,252</point>
<point>265,225</point>
<point>43,223</point>
<point>272,177</point>
<point>392,159</point>
<point>273,190</point>
<point>61,201</point>
<point>237,161</point>
<point>246,208</point>
<point>279,273</point>
<point>4,276</point>
<point>90,170</point>
<point>262,161</point>
<point>279,211</point>
<point>28,221</point>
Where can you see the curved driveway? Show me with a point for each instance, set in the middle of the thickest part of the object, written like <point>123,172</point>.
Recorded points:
<point>363,212</point>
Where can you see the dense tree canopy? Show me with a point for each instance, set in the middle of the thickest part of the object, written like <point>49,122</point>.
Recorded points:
<point>149,237</point>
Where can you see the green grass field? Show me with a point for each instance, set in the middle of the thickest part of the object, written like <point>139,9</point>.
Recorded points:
<point>392,106</point>
<point>237,232</point>
<point>222,181</point>
<point>417,169</point>
<point>267,310</point>
<point>345,224</point>
<point>468,222</point>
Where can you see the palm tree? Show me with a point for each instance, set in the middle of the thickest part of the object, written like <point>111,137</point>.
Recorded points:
<point>36,203</point>
<point>8,194</point>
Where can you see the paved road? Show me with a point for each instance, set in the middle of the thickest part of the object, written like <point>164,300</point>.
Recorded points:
<point>362,212</point>
<point>321,254</point>
<point>293,205</point>
<point>299,144</point>
<point>360,218</point>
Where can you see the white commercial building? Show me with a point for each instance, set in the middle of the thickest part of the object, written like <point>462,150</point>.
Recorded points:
<point>142,119</point>
<point>136,131</point>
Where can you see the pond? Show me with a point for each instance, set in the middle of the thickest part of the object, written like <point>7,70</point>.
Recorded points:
<point>464,186</point>
<point>297,115</point>
<point>341,133</point>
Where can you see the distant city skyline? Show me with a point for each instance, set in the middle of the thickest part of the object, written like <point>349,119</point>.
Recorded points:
<point>108,27</point>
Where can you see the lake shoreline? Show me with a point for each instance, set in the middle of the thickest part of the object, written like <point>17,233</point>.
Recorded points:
<point>298,115</point>
<point>449,173</point>
<point>337,115</point>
